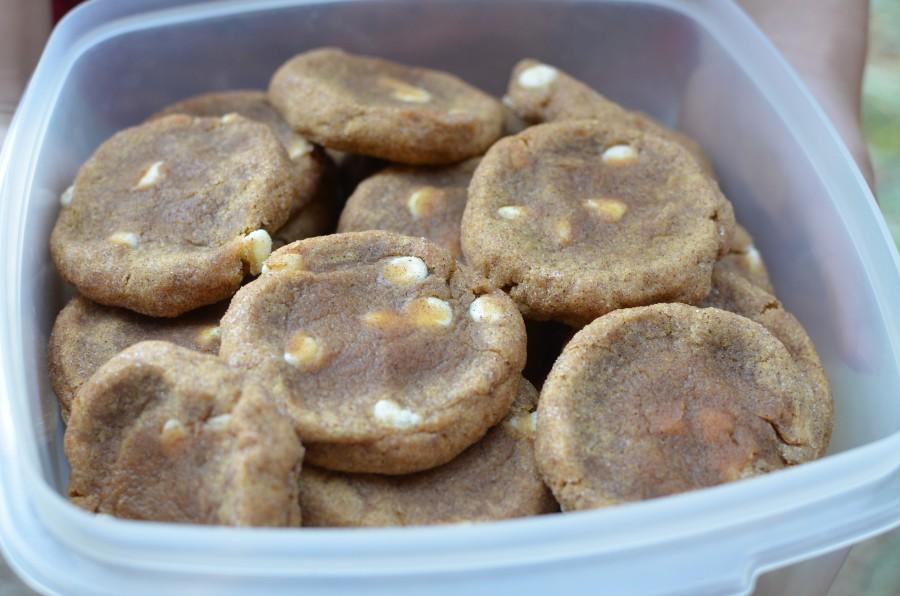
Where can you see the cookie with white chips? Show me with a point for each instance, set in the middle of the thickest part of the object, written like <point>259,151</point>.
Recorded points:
<point>388,355</point>
<point>172,215</point>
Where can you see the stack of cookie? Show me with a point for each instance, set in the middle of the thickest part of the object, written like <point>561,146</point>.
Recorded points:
<point>374,376</point>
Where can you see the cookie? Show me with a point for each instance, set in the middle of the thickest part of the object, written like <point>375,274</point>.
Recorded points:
<point>656,400</point>
<point>540,93</point>
<point>172,215</point>
<point>389,356</point>
<point>578,218</point>
<point>383,109</point>
<point>736,293</point>
<point>422,202</point>
<point>86,335</point>
<point>494,479</point>
<point>164,433</point>
<point>744,259</point>
<point>310,163</point>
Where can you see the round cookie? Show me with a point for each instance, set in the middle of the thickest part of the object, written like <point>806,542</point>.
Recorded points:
<point>389,356</point>
<point>578,218</point>
<point>540,93</point>
<point>310,163</point>
<point>421,202</point>
<point>167,434</point>
<point>494,479</point>
<point>736,293</point>
<point>744,259</point>
<point>171,215</point>
<point>86,335</point>
<point>656,400</point>
<point>383,109</point>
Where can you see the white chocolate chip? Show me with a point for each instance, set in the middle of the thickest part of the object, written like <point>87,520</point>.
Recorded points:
<point>511,212</point>
<point>299,147</point>
<point>524,423</point>
<point>563,230</point>
<point>303,351</point>
<point>390,413</point>
<point>619,155</point>
<point>539,75</point>
<point>403,91</point>
<point>404,271</point>
<point>285,262</point>
<point>219,422</point>
<point>421,201</point>
<point>609,210</point>
<point>229,118</point>
<point>172,433</point>
<point>257,246</point>
<point>384,320</point>
<point>65,199</point>
<point>153,175</point>
<point>486,309</point>
<point>430,312</point>
<point>127,239</point>
<point>753,258</point>
<point>209,336</point>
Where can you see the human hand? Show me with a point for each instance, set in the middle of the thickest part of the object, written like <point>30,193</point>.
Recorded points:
<point>825,41</point>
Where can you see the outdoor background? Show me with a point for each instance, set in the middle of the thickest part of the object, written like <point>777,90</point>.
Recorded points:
<point>873,568</point>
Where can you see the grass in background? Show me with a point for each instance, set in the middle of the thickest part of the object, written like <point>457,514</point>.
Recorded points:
<point>881,107</point>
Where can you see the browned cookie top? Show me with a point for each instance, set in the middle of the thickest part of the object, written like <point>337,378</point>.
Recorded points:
<point>383,109</point>
<point>744,259</point>
<point>539,93</point>
<point>496,478</point>
<point>86,335</point>
<point>170,215</point>
<point>650,401</point>
<point>389,356</point>
<point>425,202</point>
<point>733,292</point>
<point>578,218</point>
<point>310,163</point>
<point>167,434</point>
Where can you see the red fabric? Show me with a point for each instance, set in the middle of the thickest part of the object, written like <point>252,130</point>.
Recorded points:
<point>61,7</point>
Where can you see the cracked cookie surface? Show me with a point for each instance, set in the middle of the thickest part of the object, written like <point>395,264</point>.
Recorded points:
<point>388,355</point>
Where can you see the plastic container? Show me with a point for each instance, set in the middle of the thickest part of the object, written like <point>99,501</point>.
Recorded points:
<point>701,66</point>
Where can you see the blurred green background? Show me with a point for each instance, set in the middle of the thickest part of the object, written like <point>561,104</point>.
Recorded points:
<point>881,107</point>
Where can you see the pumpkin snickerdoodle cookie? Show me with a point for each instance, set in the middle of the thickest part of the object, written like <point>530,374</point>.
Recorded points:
<point>383,109</point>
<point>388,355</point>
<point>655,400</point>
<point>164,433</point>
<point>171,215</point>
<point>578,218</point>
<point>496,478</point>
